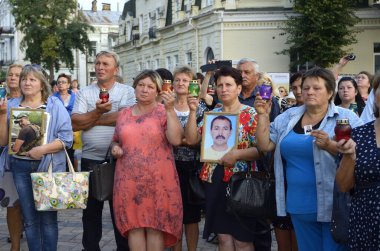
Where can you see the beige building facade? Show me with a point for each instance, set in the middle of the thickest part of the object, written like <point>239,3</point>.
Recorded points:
<point>168,33</point>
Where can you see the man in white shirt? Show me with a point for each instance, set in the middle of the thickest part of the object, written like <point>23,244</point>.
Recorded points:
<point>221,130</point>
<point>97,120</point>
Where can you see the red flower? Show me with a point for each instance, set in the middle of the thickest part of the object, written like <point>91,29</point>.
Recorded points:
<point>244,118</point>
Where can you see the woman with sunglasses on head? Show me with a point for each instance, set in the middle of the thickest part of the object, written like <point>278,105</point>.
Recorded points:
<point>348,96</point>
<point>41,227</point>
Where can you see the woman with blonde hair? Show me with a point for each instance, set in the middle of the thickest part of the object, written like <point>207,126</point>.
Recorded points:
<point>14,219</point>
<point>41,227</point>
<point>147,197</point>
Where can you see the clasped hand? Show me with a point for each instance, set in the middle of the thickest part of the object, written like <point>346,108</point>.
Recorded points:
<point>103,108</point>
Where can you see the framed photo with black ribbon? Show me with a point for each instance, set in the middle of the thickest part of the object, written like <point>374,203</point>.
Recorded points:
<point>26,130</point>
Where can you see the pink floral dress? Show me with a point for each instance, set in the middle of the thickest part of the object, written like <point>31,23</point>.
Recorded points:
<point>146,188</point>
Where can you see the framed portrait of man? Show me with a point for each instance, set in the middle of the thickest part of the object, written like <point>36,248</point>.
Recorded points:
<point>26,130</point>
<point>219,136</point>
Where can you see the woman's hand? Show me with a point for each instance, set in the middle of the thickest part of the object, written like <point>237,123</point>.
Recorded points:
<point>168,98</point>
<point>322,139</point>
<point>262,106</point>
<point>229,159</point>
<point>193,102</point>
<point>36,152</point>
<point>116,150</point>
<point>3,106</point>
<point>347,147</point>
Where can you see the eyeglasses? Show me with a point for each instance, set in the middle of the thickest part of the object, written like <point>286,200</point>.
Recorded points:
<point>360,77</point>
<point>34,66</point>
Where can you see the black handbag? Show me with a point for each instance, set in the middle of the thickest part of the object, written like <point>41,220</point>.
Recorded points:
<point>196,191</point>
<point>102,177</point>
<point>252,194</point>
<point>340,215</point>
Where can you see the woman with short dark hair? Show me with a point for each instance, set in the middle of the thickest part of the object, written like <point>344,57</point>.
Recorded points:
<point>359,173</point>
<point>305,158</point>
<point>348,95</point>
<point>232,235</point>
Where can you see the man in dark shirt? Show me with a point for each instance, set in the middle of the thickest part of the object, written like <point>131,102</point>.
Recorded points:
<point>28,136</point>
<point>250,72</point>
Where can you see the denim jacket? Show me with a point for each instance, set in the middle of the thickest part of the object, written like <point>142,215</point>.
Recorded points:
<point>59,128</point>
<point>324,162</point>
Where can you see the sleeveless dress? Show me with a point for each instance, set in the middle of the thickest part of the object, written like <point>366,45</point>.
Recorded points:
<point>364,228</point>
<point>146,187</point>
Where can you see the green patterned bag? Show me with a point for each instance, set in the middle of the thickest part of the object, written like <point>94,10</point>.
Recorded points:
<point>60,190</point>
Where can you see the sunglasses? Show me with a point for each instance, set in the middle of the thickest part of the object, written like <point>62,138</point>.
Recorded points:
<point>34,66</point>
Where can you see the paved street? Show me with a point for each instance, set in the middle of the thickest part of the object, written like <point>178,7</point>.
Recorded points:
<point>70,233</point>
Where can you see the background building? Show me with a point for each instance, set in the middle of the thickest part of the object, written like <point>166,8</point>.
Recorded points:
<point>10,37</point>
<point>103,38</point>
<point>167,33</point>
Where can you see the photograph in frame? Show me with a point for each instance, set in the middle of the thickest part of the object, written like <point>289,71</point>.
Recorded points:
<point>219,135</point>
<point>26,130</point>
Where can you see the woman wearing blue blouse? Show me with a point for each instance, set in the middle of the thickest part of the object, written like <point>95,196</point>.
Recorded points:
<point>41,227</point>
<point>305,159</point>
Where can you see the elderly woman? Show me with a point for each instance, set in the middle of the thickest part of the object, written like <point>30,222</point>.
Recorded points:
<point>147,197</point>
<point>359,172</point>
<point>14,219</point>
<point>67,97</point>
<point>13,78</point>
<point>186,158</point>
<point>364,80</point>
<point>231,234</point>
<point>64,93</point>
<point>41,227</point>
<point>349,96</point>
<point>307,160</point>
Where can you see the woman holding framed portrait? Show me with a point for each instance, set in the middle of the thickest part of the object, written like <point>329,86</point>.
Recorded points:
<point>41,227</point>
<point>216,173</point>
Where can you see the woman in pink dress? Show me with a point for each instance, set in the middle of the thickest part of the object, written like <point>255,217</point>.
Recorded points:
<point>147,197</point>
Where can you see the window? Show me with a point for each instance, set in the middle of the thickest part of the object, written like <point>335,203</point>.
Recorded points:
<point>189,58</point>
<point>175,60</point>
<point>92,51</point>
<point>141,19</point>
<point>157,64</point>
<point>169,63</point>
<point>376,53</point>
<point>209,2</point>
<point>209,55</point>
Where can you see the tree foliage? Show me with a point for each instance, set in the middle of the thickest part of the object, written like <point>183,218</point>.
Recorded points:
<point>52,30</point>
<point>320,31</point>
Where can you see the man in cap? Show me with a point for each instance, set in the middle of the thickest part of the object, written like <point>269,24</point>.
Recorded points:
<point>29,135</point>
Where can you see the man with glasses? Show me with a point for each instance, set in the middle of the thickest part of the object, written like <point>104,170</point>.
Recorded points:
<point>97,121</point>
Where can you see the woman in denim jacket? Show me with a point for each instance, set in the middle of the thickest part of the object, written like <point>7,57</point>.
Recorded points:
<point>41,227</point>
<point>306,155</point>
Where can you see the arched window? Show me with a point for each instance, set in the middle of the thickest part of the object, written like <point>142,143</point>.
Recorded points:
<point>209,55</point>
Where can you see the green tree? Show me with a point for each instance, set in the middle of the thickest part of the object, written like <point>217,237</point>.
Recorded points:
<point>52,30</point>
<point>320,31</point>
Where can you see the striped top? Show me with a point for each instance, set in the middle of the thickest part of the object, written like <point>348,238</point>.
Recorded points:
<point>97,139</point>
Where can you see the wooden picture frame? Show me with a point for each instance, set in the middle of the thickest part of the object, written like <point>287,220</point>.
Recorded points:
<point>222,138</point>
<point>26,130</point>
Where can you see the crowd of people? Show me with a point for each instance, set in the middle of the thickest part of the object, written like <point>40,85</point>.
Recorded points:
<point>156,136</point>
